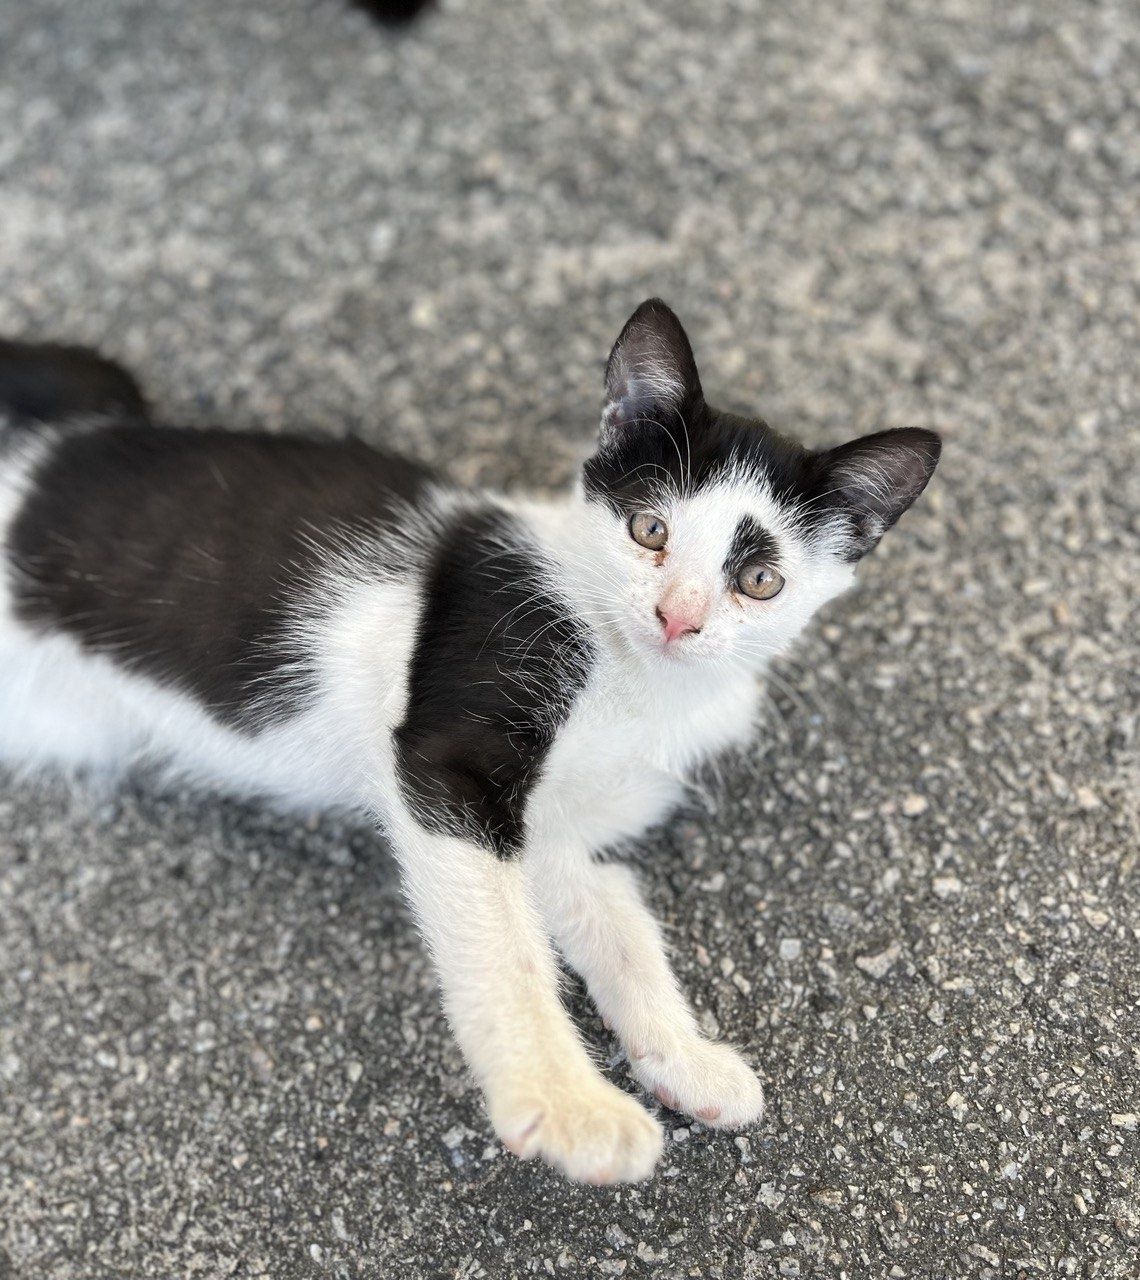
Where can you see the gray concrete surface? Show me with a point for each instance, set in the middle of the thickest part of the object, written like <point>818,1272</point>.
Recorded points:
<point>916,905</point>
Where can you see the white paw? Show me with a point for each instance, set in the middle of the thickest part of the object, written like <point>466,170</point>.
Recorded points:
<point>590,1130</point>
<point>705,1079</point>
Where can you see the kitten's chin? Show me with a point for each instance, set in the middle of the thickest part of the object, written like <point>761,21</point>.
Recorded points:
<point>646,646</point>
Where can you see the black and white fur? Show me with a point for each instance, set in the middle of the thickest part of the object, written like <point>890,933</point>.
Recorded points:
<point>323,624</point>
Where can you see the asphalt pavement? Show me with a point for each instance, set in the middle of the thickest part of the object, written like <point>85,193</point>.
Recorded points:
<point>915,903</point>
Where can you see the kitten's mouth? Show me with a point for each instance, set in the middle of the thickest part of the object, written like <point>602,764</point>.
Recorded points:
<point>650,645</point>
<point>677,652</point>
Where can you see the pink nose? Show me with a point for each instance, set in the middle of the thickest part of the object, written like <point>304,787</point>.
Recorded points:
<point>676,623</point>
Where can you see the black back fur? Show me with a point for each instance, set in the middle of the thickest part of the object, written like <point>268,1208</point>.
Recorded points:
<point>179,551</point>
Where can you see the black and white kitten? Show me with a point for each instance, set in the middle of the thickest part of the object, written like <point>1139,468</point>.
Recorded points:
<point>513,687</point>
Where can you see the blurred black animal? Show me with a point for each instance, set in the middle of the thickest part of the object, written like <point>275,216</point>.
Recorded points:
<point>393,13</point>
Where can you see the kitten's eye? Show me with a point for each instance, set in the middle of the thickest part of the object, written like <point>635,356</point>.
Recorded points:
<point>759,581</point>
<point>649,530</point>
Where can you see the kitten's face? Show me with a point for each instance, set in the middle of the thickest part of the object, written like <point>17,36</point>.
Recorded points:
<point>729,574</point>
<point>709,538</point>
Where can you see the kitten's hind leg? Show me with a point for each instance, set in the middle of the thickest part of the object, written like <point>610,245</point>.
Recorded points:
<point>500,992</point>
<point>595,914</point>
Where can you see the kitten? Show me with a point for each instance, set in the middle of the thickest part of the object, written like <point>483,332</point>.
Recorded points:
<point>512,687</point>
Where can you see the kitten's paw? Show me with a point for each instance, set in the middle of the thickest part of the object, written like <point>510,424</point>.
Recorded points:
<point>705,1079</point>
<point>592,1133</point>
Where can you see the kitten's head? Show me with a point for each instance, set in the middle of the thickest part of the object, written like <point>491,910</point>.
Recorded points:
<point>711,538</point>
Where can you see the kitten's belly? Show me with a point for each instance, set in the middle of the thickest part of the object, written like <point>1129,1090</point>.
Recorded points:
<point>66,708</point>
<point>61,708</point>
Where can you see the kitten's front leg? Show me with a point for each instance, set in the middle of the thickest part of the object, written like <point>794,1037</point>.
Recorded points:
<point>605,931</point>
<point>500,992</point>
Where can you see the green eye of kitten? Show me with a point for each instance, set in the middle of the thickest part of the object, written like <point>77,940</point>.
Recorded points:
<point>759,581</point>
<point>649,531</point>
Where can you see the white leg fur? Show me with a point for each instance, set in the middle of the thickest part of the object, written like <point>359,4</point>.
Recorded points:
<point>597,917</point>
<point>500,992</point>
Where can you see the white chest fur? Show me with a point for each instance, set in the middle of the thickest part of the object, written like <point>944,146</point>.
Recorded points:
<point>630,744</point>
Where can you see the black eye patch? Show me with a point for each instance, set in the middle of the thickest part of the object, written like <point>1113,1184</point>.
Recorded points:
<point>751,541</point>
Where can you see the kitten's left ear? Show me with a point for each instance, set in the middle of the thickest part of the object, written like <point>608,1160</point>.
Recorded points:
<point>651,375</point>
<point>873,480</point>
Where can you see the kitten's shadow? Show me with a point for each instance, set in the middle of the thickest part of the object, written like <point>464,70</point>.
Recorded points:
<point>230,832</point>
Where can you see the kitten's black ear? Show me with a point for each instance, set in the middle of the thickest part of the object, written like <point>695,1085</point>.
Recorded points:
<point>873,480</point>
<point>651,374</point>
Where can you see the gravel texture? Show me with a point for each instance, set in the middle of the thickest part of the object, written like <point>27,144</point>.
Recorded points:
<point>915,904</point>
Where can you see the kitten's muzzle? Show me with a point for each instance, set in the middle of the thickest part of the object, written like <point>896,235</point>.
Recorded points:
<point>682,611</point>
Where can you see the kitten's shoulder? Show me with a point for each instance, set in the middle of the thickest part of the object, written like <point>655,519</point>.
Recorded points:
<point>499,658</point>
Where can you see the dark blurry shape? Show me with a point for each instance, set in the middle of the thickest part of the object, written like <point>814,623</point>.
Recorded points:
<point>393,12</point>
<point>46,382</point>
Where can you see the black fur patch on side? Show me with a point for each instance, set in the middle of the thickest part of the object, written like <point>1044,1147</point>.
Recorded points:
<point>46,382</point>
<point>178,553</point>
<point>497,663</point>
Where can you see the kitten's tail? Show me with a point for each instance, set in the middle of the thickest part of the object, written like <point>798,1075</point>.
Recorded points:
<point>44,382</point>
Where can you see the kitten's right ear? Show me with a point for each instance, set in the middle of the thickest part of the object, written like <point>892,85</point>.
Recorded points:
<point>651,376</point>
<point>873,480</point>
